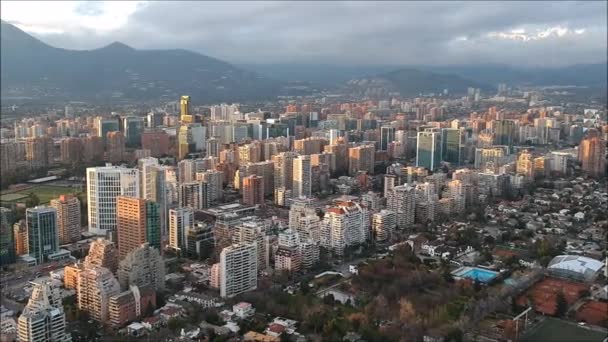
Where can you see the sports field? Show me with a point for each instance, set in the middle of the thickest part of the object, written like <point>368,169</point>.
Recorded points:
<point>44,192</point>
<point>557,330</point>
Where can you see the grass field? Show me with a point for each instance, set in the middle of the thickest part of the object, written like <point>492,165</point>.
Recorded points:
<point>44,192</point>
<point>556,330</point>
<point>12,197</point>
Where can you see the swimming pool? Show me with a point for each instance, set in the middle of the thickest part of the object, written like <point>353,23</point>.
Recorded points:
<point>475,273</point>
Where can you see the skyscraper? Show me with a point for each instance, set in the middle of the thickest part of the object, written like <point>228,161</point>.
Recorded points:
<point>184,110</point>
<point>302,177</point>
<point>402,201</point>
<point>68,218</point>
<point>153,188</point>
<point>7,248</point>
<point>504,132</point>
<point>283,169</point>
<point>361,158</point>
<point>387,135</point>
<point>115,143</point>
<point>194,195</point>
<point>592,154</point>
<point>130,224</point>
<point>133,127</point>
<point>238,269</point>
<point>153,225</point>
<point>104,184</point>
<point>253,190</point>
<point>42,232</point>
<point>180,221</point>
<point>452,145</point>
<point>428,150</point>
<point>43,318</point>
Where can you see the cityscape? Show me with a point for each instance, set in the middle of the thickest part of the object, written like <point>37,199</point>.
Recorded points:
<point>159,194</point>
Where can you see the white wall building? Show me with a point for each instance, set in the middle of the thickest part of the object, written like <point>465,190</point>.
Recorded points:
<point>104,184</point>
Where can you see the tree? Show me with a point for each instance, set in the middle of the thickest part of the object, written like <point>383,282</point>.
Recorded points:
<point>561,305</point>
<point>32,200</point>
<point>406,310</point>
<point>176,324</point>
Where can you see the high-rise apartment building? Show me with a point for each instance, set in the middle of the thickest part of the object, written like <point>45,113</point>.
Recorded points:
<point>21,238</point>
<point>361,158</point>
<point>194,195</point>
<point>489,158</point>
<point>238,269</point>
<point>402,201</point>
<point>157,141</point>
<point>42,232</point>
<point>428,150</point>
<point>68,218</point>
<point>253,190</point>
<point>71,150</point>
<point>95,287</point>
<point>383,225</point>
<point>154,188</point>
<point>525,165</point>
<point>43,318</point>
<point>143,266</point>
<point>131,304</point>
<point>181,220</point>
<point>344,224</point>
<point>39,152</point>
<point>115,147</point>
<point>504,132</point>
<point>592,154</point>
<point>102,253</point>
<point>283,169</point>
<point>104,184</point>
<point>302,177</point>
<point>7,248</point>
<point>130,224</point>
<point>215,184</point>
<point>340,150</point>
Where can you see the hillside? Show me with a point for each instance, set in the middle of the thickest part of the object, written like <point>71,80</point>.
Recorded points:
<point>410,82</point>
<point>31,68</point>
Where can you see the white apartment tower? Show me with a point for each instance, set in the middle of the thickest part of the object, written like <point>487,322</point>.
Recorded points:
<point>43,318</point>
<point>345,224</point>
<point>104,184</point>
<point>238,269</point>
<point>181,220</point>
<point>302,177</point>
<point>402,201</point>
<point>383,225</point>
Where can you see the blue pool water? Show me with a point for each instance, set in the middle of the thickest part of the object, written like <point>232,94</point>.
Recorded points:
<point>474,273</point>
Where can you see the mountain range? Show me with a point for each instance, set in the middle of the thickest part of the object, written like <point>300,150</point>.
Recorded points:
<point>31,68</point>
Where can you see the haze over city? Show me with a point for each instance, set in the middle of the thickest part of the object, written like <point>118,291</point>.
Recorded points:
<point>303,171</point>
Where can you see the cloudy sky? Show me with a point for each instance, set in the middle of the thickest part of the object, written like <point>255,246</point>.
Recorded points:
<point>331,32</point>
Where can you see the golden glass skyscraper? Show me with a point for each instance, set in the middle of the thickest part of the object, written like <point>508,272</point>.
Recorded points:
<point>184,105</point>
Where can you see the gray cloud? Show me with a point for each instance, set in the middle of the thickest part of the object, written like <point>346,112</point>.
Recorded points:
<point>333,32</point>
